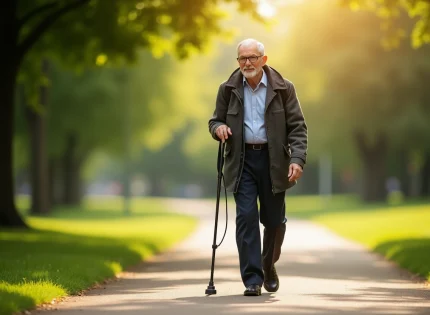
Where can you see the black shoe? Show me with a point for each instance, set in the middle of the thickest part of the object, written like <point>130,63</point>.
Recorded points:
<point>271,280</point>
<point>272,243</point>
<point>252,290</point>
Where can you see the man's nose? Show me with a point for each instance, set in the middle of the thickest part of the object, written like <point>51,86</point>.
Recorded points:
<point>247,62</point>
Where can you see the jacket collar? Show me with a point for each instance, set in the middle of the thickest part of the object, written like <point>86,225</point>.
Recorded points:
<point>274,78</point>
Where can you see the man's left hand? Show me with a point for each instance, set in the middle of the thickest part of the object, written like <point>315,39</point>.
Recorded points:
<point>295,172</point>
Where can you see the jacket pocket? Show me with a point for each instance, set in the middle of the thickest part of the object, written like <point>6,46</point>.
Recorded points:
<point>287,150</point>
<point>227,149</point>
<point>278,111</point>
<point>232,111</point>
<point>232,119</point>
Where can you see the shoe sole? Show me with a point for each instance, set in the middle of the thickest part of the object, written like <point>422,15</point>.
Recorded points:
<point>271,290</point>
<point>252,294</point>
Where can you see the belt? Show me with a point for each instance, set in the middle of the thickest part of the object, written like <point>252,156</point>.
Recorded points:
<point>260,146</point>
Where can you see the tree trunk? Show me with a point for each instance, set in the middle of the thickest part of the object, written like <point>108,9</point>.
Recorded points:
<point>157,188</point>
<point>425,177</point>
<point>71,170</point>
<point>9,216</point>
<point>373,158</point>
<point>39,170</point>
<point>55,181</point>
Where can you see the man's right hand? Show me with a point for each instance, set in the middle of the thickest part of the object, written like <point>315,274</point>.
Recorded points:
<point>223,132</point>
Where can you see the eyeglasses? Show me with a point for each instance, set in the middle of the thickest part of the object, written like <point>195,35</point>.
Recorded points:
<point>252,59</point>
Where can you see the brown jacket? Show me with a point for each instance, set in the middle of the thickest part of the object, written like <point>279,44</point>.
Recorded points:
<point>285,127</point>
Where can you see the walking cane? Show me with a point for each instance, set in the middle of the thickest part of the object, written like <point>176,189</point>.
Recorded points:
<point>220,163</point>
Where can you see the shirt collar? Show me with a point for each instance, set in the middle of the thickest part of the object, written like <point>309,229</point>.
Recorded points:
<point>262,81</point>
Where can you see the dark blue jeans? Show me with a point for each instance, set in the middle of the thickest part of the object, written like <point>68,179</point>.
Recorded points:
<point>255,182</point>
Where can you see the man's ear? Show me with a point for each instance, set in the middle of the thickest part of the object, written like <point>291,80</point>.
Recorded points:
<point>264,59</point>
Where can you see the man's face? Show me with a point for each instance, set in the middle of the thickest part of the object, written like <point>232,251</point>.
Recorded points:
<point>250,69</point>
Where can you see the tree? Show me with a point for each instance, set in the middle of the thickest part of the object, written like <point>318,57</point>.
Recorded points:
<point>371,99</point>
<point>37,127</point>
<point>84,114</point>
<point>392,13</point>
<point>105,29</point>
<point>89,112</point>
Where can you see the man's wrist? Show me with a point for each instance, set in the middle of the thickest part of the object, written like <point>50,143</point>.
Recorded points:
<point>218,127</point>
<point>297,160</point>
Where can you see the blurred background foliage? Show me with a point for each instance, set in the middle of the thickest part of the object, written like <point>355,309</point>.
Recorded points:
<point>115,97</point>
<point>106,102</point>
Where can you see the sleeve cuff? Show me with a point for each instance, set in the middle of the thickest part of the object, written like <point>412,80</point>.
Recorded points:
<point>297,160</point>
<point>213,131</point>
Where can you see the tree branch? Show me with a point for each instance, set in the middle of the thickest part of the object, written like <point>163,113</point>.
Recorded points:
<point>35,12</point>
<point>37,32</point>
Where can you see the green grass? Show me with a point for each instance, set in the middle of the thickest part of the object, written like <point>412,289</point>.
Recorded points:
<point>78,247</point>
<point>401,233</point>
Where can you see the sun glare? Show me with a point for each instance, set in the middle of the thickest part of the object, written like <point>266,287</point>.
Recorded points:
<point>265,9</point>
<point>268,8</point>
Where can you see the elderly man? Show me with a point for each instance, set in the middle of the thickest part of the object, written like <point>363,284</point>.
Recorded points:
<point>259,117</point>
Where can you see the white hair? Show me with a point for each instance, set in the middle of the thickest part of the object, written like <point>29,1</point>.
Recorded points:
<point>250,42</point>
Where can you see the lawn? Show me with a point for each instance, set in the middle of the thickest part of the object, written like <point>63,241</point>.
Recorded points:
<point>77,247</point>
<point>401,233</point>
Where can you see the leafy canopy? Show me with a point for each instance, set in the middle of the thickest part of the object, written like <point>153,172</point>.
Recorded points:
<point>392,13</point>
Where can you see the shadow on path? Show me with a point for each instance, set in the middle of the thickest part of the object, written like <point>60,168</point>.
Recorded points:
<point>320,274</point>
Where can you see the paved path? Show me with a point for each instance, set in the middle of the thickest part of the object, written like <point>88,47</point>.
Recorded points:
<point>320,273</point>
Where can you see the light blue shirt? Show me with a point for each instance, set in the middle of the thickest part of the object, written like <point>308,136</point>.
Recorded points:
<point>254,104</point>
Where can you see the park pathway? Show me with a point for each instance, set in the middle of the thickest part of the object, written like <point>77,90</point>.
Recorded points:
<point>320,273</point>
